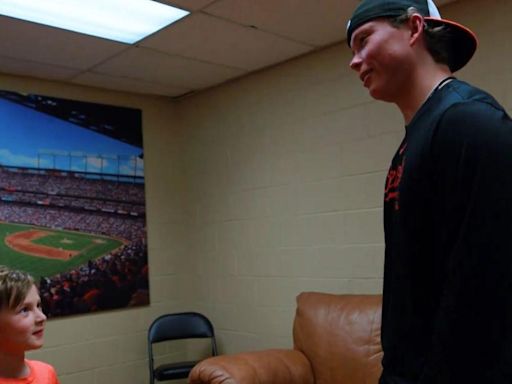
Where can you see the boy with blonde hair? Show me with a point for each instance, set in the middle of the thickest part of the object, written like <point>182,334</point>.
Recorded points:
<point>22,324</point>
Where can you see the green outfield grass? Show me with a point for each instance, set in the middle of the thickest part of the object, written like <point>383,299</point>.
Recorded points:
<point>89,246</point>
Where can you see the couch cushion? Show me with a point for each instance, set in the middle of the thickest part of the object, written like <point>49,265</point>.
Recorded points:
<point>340,335</point>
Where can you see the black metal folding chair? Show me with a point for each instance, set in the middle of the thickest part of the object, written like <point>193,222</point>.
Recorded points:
<point>177,326</point>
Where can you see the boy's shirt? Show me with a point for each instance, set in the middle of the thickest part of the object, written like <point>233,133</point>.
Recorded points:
<point>40,373</point>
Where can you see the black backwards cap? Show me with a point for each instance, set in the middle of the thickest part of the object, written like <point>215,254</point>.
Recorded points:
<point>464,41</point>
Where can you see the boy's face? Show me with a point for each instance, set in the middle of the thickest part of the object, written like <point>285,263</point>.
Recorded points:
<point>380,57</point>
<point>22,328</point>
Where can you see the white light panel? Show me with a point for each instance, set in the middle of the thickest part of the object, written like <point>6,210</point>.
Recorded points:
<point>127,21</point>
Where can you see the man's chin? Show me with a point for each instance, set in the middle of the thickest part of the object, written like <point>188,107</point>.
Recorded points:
<point>377,94</point>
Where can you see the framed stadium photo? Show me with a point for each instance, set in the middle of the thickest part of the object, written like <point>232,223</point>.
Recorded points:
<point>72,201</point>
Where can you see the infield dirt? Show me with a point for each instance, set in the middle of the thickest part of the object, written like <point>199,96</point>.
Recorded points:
<point>23,242</point>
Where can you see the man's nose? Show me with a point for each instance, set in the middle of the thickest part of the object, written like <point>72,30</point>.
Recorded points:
<point>355,63</point>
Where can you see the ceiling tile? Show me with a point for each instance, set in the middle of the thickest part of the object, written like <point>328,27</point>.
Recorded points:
<point>128,85</point>
<point>189,5</point>
<point>36,42</point>
<point>220,40</point>
<point>30,68</point>
<point>312,22</point>
<point>213,40</point>
<point>151,66</point>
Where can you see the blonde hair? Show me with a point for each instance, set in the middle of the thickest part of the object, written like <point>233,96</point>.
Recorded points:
<point>14,287</point>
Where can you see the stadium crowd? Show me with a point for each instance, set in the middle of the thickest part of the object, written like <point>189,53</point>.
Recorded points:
<point>70,201</point>
<point>70,184</point>
<point>90,204</point>
<point>116,280</point>
<point>128,228</point>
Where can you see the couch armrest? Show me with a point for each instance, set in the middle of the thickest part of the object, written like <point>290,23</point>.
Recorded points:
<point>272,366</point>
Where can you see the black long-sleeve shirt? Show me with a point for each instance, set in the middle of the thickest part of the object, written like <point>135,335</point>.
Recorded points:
<point>447,309</point>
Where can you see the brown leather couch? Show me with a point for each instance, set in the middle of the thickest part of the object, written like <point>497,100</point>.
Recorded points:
<point>336,341</point>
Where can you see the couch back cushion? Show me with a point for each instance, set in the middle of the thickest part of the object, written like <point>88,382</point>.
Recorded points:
<point>340,336</point>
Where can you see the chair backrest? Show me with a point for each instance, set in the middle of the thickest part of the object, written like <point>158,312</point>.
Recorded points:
<point>185,325</point>
<point>175,326</point>
<point>340,336</point>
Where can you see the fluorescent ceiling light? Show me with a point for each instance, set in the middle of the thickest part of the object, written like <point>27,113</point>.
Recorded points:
<point>126,21</point>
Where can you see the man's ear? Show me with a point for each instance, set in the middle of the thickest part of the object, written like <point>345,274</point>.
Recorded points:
<point>416,24</point>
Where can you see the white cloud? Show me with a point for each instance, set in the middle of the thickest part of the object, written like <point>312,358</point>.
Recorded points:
<point>91,163</point>
<point>9,158</point>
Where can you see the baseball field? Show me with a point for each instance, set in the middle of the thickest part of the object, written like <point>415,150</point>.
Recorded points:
<point>47,252</point>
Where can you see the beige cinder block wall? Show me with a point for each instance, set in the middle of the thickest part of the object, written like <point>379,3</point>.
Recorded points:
<point>285,173</point>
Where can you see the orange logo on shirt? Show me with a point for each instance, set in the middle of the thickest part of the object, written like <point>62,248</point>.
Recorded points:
<point>393,181</point>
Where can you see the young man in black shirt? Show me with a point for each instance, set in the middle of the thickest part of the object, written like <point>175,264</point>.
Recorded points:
<point>447,302</point>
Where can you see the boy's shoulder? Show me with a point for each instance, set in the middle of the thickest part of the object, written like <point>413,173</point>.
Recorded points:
<point>41,373</point>
<point>36,364</point>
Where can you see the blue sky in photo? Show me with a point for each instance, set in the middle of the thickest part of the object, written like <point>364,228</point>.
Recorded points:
<point>29,138</point>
